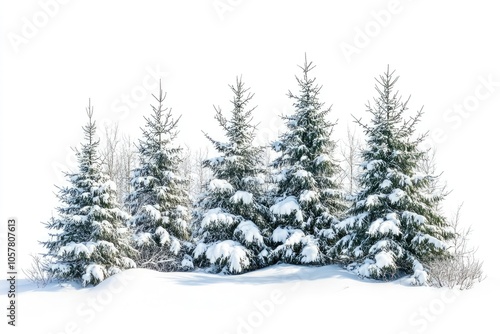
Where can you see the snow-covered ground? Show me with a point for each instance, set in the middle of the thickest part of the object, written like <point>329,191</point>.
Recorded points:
<point>278,299</point>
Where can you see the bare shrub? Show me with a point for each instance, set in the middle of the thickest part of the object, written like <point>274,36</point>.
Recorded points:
<point>119,159</point>
<point>462,269</point>
<point>39,272</point>
<point>157,258</point>
<point>350,151</point>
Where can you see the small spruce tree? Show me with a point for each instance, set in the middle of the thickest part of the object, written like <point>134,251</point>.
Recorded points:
<point>394,225</point>
<point>89,241</point>
<point>159,200</point>
<point>230,217</point>
<point>307,200</point>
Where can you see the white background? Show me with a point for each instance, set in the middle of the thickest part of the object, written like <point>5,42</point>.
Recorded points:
<point>54,56</point>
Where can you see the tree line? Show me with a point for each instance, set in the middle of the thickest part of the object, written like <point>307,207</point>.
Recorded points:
<point>378,212</point>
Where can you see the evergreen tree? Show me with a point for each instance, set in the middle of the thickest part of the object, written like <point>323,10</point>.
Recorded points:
<point>90,241</point>
<point>230,217</point>
<point>159,200</point>
<point>394,225</point>
<point>307,199</point>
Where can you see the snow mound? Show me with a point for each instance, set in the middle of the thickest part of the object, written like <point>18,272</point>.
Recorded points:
<point>231,251</point>
<point>220,186</point>
<point>310,253</point>
<point>250,232</point>
<point>381,226</point>
<point>280,235</point>
<point>308,196</point>
<point>217,216</point>
<point>163,234</point>
<point>288,206</point>
<point>396,196</point>
<point>93,272</point>
<point>247,299</point>
<point>242,196</point>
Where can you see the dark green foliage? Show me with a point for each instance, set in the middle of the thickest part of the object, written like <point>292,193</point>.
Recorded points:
<point>90,241</point>
<point>394,225</point>
<point>159,200</point>
<point>308,200</point>
<point>230,216</point>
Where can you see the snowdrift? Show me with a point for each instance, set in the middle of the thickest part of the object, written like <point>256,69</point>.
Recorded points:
<point>278,299</point>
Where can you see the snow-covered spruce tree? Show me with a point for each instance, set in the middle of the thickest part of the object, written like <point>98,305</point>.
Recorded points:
<point>90,240</point>
<point>307,200</point>
<point>394,226</point>
<point>230,216</point>
<point>159,200</point>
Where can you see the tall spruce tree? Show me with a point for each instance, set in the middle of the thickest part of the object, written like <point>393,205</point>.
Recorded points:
<point>308,201</point>
<point>394,225</point>
<point>90,240</point>
<point>159,200</point>
<point>230,215</point>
